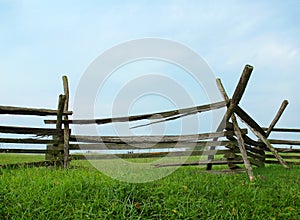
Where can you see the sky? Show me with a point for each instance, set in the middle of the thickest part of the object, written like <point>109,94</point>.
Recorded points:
<point>42,40</point>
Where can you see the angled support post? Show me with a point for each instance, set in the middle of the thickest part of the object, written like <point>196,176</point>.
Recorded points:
<point>259,133</point>
<point>237,96</point>
<point>277,117</point>
<point>247,119</point>
<point>270,147</point>
<point>257,130</point>
<point>238,133</point>
<point>239,91</point>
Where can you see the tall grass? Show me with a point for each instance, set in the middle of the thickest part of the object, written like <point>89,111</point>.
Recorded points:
<point>82,192</point>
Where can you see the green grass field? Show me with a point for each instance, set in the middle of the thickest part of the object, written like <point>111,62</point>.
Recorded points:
<point>82,192</point>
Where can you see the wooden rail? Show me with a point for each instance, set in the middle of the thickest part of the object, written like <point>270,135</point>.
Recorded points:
<point>157,115</point>
<point>30,111</point>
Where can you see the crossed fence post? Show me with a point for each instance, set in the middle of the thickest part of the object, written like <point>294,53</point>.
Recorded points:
<point>233,108</point>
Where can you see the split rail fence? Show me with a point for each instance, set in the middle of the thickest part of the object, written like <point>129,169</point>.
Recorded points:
<point>238,147</point>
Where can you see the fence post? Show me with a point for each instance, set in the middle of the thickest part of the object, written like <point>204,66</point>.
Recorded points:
<point>66,123</point>
<point>237,131</point>
<point>232,104</point>
<point>59,139</point>
<point>277,117</point>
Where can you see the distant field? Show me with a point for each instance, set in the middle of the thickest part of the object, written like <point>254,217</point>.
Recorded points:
<point>19,158</point>
<point>82,192</point>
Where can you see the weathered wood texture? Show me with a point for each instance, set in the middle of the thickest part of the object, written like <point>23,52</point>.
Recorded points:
<point>288,150</point>
<point>213,147</point>
<point>29,111</point>
<point>28,151</point>
<point>294,157</point>
<point>66,125</point>
<point>277,162</point>
<point>25,141</point>
<point>248,120</point>
<point>146,155</point>
<point>242,84</point>
<point>238,134</point>
<point>157,115</point>
<point>269,145</point>
<point>284,129</point>
<point>55,152</point>
<point>59,140</point>
<point>277,117</point>
<point>150,139</point>
<point>232,104</point>
<point>284,142</point>
<point>238,93</point>
<point>61,104</point>
<point>121,146</point>
<point>28,130</point>
<point>221,126</point>
<point>199,163</point>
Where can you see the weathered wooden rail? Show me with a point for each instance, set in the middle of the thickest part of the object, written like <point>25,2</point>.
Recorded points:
<point>237,147</point>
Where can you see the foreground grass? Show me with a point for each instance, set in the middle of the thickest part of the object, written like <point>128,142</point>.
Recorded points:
<point>84,193</point>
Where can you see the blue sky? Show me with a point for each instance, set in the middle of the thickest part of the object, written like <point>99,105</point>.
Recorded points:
<point>42,40</point>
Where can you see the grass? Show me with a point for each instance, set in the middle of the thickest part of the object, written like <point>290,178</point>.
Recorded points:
<point>19,158</point>
<point>82,192</point>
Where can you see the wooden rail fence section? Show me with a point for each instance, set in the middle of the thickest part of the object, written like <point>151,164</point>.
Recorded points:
<point>52,137</point>
<point>238,147</point>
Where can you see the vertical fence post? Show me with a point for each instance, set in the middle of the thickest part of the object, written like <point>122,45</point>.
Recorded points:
<point>56,149</point>
<point>66,123</point>
<point>59,138</point>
